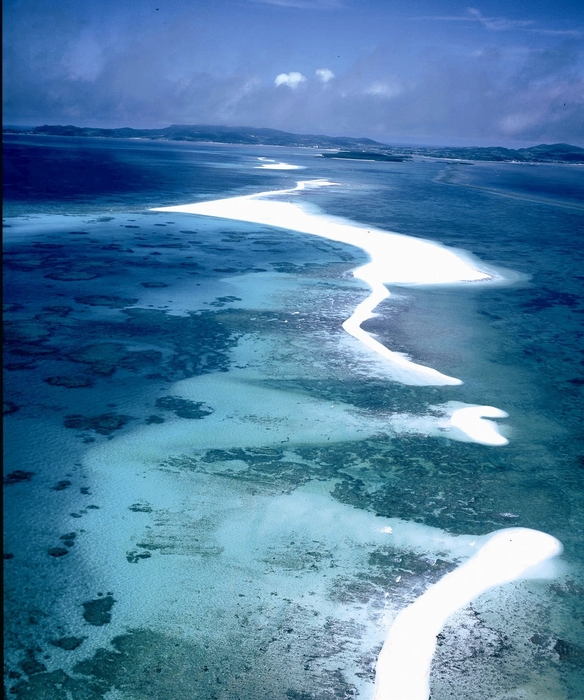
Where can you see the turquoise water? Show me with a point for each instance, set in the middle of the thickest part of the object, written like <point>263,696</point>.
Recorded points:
<point>201,466</point>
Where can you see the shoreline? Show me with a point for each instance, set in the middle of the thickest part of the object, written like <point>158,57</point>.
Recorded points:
<point>411,155</point>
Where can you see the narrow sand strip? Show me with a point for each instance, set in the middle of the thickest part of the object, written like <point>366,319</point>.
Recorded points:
<point>403,665</point>
<point>395,259</point>
<point>280,166</point>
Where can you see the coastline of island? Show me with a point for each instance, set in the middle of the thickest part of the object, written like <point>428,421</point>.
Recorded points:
<point>340,147</point>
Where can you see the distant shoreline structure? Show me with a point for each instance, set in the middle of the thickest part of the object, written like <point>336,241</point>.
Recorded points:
<point>339,146</point>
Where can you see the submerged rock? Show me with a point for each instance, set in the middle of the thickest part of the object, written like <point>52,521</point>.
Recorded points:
<point>68,643</point>
<point>13,366</point>
<point>10,307</point>
<point>98,612</point>
<point>24,332</point>
<point>134,556</point>
<point>31,665</point>
<point>57,685</point>
<point>154,419</point>
<point>61,485</point>
<point>71,275</point>
<point>69,539</point>
<point>105,358</point>
<point>221,301</point>
<point>17,476</point>
<point>110,301</point>
<point>140,508</point>
<point>183,408</point>
<point>9,407</point>
<point>569,652</point>
<point>70,382</point>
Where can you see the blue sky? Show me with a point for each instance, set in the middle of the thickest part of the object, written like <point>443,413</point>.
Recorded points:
<point>403,72</point>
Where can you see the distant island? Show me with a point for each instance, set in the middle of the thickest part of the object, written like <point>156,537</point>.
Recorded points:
<point>346,147</point>
<point>366,155</point>
<point>216,134</point>
<point>544,153</point>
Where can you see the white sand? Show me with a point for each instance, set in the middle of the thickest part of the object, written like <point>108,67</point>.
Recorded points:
<point>403,665</point>
<point>459,421</point>
<point>471,420</point>
<point>280,166</point>
<point>395,259</point>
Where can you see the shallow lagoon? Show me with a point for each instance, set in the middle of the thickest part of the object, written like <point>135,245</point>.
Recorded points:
<point>208,470</point>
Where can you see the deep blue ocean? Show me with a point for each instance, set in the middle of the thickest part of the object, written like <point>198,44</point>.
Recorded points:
<point>198,483</point>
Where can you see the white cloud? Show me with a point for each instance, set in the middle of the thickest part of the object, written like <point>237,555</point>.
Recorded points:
<point>558,32</point>
<point>292,79</point>
<point>384,88</point>
<point>324,75</point>
<point>497,23</point>
<point>474,15</point>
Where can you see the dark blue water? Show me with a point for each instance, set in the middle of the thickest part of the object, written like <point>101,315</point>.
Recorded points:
<point>541,182</point>
<point>77,175</point>
<point>238,568</point>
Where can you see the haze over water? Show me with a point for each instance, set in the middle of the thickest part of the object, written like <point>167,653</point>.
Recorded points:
<point>212,487</point>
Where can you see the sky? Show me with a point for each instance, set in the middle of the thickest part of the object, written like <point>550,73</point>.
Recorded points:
<point>417,72</point>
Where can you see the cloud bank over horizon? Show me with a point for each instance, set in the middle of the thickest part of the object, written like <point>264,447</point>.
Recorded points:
<point>317,67</point>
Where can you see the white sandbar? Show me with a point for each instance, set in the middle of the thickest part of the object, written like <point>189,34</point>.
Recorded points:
<point>472,420</point>
<point>395,259</point>
<point>459,421</point>
<point>403,665</point>
<point>280,166</point>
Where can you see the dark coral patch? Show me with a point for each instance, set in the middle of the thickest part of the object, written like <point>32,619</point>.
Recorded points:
<point>103,424</point>
<point>8,407</point>
<point>183,408</point>
<point>105,358</point>
<point>17,476</point>
<point>68,643</point>
<point>98,612</point>
<point>61,485</point>
<point>110,301</point>
<point>70,381</point>
<point>154,419</point>
<point>78,275</point>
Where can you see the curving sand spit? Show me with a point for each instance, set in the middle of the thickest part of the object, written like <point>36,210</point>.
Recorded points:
<point>395,259</point>
<point>403,665</point>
